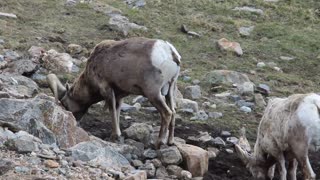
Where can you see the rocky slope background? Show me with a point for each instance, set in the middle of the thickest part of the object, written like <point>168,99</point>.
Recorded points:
<point>235,55</point>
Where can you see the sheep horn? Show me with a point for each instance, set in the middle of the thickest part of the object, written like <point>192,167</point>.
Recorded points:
<point>56,86</point>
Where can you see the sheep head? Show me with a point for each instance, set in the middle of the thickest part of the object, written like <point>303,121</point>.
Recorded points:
<point>64,95</point>
<point>259,169</point>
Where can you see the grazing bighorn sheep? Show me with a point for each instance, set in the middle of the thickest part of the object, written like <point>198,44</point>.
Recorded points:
<point>116,69</point>
<point>288,129</point>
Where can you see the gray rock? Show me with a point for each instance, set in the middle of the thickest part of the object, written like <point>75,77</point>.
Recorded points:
<point>2,41</point>
<point>136,163</point>
<point>247,88</point>
<point>149,109</point>
<point>193,92</point>
<point>161,172</point>
<point>249,9</point>
<point>95,154</point>
<point>232,140</point>
<point>41,117</point>
<point>241,103</point>
<point>18,86</point>
<point>261,65</point>
<point>225,77</point>
<point>1,58</point>
<point>174,170</point>
<point>186,111</point>
<point>201,115</point>
<point>127,108</point>
<point>218,142</point>
<point>150,154</point>
<point>246,31</point>
<point>11,55</point>
<point>6,134</point>
<point>23,143</point>
<point>24,67</point>
<point>225,133</point>
<point>260,102</point>
<point>235,97</point>
<point>138,145</point>
<point>230,151</point>
<point>286,58</point>
<point>135,3</point>
<point>40,79</point>
<point>186,78</point>
<point>170,155</point>
<point>5,166</point>
<point>139,99</point>
<point>149,168</point>
<point>122,24</point>
<point>245,109</point>
<point>263,89</point>
<point>196,82</point>
<point>139,131</point>
<point>8,15</point>
<point>22,169</point>
<point>215,115</point>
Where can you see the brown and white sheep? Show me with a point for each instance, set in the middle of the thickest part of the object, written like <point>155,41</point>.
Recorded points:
<point>289,128</point>
<point>116,69</point>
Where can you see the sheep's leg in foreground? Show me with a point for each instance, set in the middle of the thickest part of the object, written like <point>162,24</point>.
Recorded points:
<point>306,168</point>
<point>158,101</point>
<point>282,163</point>
<point>293,165</point>
<point>271,171</point>
<point>300,149</point>
<point>114,107</point>
<point>170,102</point>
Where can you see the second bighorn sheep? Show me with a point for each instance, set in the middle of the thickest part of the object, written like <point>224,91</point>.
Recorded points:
<point>116,69</point>
<point>289,128</point>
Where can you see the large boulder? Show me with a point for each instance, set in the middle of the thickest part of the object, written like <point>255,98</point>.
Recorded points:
<point>58,62</point>
<point>17,86</point>
<point>41,117</point>
<point>195,158</point>
<point>226,77</point>
<point>95,154</point>
<point>24,67</point>
<point>24,142</point>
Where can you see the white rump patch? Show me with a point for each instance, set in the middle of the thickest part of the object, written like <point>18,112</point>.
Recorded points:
<point>161,58</point>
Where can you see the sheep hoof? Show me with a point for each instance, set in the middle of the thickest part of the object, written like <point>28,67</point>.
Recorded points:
<point>117,139</point>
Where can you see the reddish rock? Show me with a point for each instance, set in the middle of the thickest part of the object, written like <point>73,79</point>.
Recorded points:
<point>51,164</point>
<point>227,45</point>
<point>196,159</point>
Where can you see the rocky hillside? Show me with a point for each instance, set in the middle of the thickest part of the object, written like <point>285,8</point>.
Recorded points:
<point>235,55</point>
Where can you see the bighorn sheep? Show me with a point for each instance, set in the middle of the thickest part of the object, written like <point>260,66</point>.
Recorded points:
<point>288,129</point>
<point>116,69</point>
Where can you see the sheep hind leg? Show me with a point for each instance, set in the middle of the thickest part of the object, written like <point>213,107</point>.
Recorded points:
<point>171,103</point>
<point>158,101</point>
<point>293,165</point>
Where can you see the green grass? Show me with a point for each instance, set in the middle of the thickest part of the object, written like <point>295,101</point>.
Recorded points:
<point>287,28</point>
